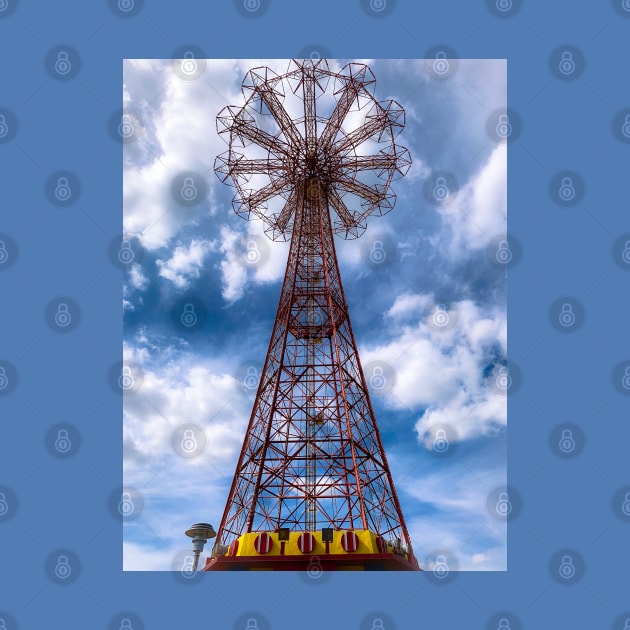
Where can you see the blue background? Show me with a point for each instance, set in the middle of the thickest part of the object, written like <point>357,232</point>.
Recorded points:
<point>567,377</point>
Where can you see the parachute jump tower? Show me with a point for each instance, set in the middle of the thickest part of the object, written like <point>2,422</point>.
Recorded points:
<point>312,153</point>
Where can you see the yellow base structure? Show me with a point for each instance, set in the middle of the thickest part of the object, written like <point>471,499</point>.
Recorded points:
<point>281,551</point>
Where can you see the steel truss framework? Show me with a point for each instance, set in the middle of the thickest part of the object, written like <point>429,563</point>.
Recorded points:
<point>312,456</point>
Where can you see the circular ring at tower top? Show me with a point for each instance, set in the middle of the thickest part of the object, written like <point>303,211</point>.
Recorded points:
<point>285,136</point>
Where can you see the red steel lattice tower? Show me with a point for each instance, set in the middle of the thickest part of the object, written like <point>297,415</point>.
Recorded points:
<point>312,461</point>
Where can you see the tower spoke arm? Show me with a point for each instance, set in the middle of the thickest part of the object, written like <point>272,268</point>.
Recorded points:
<point>368,162</point>
<point>245,167</point>
<point>281,117</point>
<point>250,131</point>
<point>340,208</point>
<point>266,192</point>
<point>361,134</point>
<point>310,121</point>
<point>287,210</point>
<point>359,188</point>
<point>338,115</point>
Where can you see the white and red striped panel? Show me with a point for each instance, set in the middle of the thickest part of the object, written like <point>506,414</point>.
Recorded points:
<point>350,541</point>
<point>263,543</point>
<point>306,542</point>
<point>233,548</point>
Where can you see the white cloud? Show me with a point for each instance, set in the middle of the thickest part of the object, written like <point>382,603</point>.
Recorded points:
<point>185,263</point>
<point>177,390</point>
<point>179,134</point>
<point>137,279</point>
<point>235,274</point>
<point>181,393</point>
<point>138,557</point>
<point>457,514</point>
<point>480,211</point>
<point>409,304</point>
<point>442,373</point>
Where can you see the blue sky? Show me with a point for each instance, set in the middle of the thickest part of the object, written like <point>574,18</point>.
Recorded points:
<point>436,254</point>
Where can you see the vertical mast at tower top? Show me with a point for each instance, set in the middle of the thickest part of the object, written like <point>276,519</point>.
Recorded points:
<point>312,479</point>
